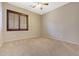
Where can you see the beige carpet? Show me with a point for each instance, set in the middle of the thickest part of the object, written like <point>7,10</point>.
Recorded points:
<point>38,47</point>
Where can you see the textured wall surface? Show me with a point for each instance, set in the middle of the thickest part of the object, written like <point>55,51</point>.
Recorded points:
<point>62,23</point>
<point>0,24</point>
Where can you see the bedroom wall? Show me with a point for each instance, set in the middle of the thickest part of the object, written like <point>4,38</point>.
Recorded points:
<point>0,24</point>
<point>34,25</point>
<point>62,23</point>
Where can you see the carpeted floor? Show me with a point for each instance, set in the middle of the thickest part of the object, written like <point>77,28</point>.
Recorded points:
<point>38,47</point>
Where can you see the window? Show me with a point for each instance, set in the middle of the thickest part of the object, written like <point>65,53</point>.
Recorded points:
<point>16,21</point>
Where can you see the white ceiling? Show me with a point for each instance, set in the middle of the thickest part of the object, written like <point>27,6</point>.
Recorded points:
<point>27,5</point>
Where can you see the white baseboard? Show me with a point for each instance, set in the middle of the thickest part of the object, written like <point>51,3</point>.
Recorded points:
<point>58,39</point>
<point>34,37</point>
<point>21,39</point>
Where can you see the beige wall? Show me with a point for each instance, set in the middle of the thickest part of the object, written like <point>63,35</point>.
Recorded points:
<point>34,25</point>
<point>0,21</point>
<point>62,23</point>
<point>0,24</point>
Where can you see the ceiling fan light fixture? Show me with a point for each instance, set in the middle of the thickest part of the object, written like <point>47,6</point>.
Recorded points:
<point>40,5</point>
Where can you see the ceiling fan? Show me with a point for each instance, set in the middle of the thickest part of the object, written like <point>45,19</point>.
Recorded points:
<point>40,5</point>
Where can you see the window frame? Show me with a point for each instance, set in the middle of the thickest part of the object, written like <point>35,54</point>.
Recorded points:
<point>19,14</point>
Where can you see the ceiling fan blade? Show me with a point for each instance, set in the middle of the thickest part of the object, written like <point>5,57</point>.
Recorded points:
<point>45,3</point>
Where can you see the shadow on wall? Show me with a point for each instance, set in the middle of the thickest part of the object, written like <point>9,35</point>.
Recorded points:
<point>53,30</point>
